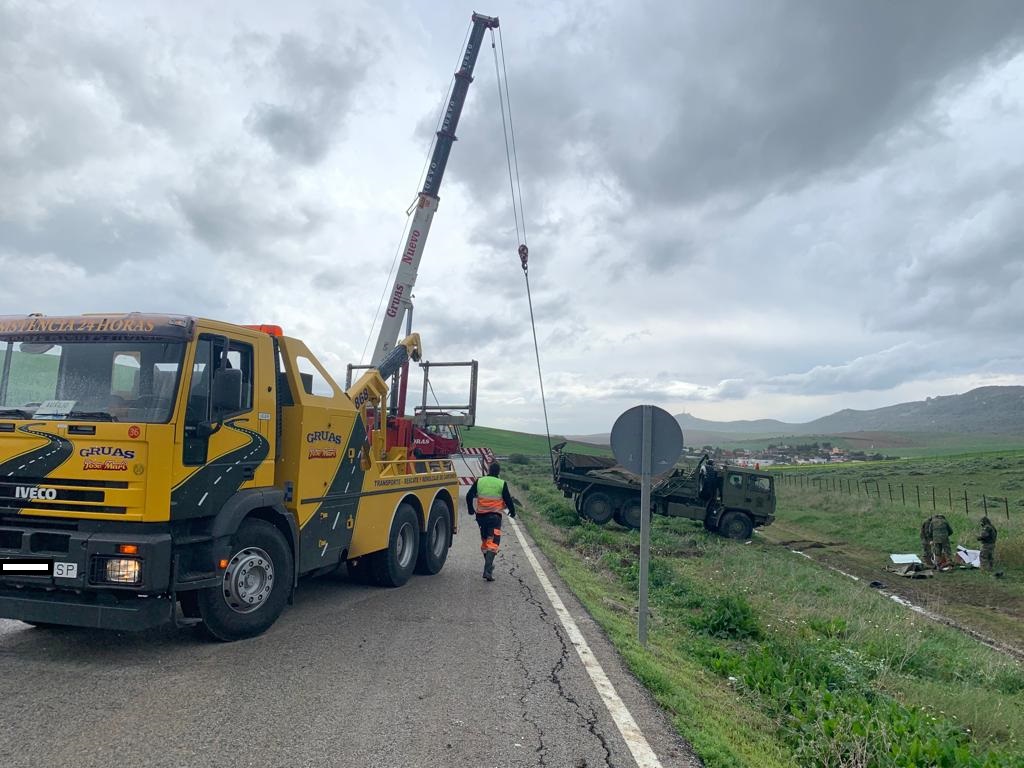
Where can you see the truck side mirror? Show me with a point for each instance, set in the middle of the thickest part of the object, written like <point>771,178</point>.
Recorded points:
<point>227,391</point>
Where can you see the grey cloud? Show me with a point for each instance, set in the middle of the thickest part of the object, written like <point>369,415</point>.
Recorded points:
<point>746,98</point>
<point>96,235</point>
<point>318,82</point>
<point>877,371</point>
<point>237,205</point>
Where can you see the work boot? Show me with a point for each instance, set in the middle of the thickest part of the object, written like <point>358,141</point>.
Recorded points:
<point>489,566</point>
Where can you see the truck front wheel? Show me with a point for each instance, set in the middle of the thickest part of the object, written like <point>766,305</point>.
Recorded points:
<point>254,587</point>
<point>736,525</point>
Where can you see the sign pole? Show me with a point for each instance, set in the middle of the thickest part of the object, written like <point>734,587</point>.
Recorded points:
<point>645,521</point>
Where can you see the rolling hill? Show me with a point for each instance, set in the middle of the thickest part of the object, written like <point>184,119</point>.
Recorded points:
<point>985,410</point>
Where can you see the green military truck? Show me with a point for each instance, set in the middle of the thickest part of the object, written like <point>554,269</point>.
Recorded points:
<point>728,500</point>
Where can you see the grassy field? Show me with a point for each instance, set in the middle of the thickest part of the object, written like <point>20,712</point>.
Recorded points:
<point>503,442</point>
<point>857,532</point>
<point>764,658</point>
<point>903,444</point>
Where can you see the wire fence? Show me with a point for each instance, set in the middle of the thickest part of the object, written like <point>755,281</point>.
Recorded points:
<point>901,493</point>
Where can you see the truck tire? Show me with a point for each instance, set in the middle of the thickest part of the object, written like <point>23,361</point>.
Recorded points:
<point>629,514</point>
<point>254,587</point>
<point>394,566</point>
<point>598,507</point>
<point>736,525</point>
<point>436,540</point>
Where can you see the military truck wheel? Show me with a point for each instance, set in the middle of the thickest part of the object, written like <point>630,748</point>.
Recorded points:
<point>598,507</point>
<point>436,540</point>
<point>394,566</point>
<point>736,525</point>
<point>629,515</point>
<point>254,587</point>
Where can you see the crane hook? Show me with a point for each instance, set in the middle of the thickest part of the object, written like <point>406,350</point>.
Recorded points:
<point>524,255</point>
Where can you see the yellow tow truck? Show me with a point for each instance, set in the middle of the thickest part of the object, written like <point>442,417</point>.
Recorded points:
<point>150,462</point>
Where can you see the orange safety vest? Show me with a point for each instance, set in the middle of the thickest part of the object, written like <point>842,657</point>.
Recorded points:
<point>489,495</point>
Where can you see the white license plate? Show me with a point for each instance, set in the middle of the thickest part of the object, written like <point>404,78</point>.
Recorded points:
<point>65,570</point>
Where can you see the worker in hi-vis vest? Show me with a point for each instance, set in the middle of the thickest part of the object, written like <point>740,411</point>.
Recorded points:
<point>492,496</point>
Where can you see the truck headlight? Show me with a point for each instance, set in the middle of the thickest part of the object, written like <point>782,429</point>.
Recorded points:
<point>122,570</point>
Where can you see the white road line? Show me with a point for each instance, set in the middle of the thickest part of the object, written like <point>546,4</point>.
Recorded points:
<point>217,480</point>
<point>204,498</point>
<point>228,470</point>
<point>346,485</point>
<point>631,733</point>
<point>324,552</point>
<point>22,466</point>
<point>335,520</point>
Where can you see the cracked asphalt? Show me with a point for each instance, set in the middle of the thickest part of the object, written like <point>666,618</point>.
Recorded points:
<point>449,670</point>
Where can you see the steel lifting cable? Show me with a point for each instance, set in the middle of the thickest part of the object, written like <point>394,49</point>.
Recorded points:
<point>512,160</point>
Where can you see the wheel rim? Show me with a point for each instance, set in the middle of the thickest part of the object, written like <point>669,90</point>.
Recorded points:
<point>735,528</point>
<point>598,509</point>
<point>405,545</point>
<point>438,537</point>
<point>248,580</point>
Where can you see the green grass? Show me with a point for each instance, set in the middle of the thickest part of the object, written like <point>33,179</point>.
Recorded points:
<point>867,517</point>
<point>502,442</point>
<point>763,658</point>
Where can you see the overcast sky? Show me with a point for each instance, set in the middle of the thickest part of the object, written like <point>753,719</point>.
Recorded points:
<point>735,209</point>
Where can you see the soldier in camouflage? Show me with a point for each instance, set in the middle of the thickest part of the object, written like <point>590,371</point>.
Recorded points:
<point>987,537</point>
<point>926,542</point>
<point>941,531</point>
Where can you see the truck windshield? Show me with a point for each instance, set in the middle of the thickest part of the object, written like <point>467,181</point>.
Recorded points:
<point>89,380</point>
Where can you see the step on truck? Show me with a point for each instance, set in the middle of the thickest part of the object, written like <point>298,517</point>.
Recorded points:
<point>158,468</point>
<point>731,501</point>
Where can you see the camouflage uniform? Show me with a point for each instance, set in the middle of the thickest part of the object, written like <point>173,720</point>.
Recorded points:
<point>926,542</point>
<point>987,537</point>
<point>941,531</point>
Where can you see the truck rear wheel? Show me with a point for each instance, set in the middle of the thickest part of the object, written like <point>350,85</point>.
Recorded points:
<point>736,525</point>
<point>394,566</point>
<point>598,507</point>
<point>629,515</point>
<point>254,587</point>
<point>435,541</point>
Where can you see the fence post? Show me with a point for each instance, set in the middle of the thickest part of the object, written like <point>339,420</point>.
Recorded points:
<point>933,498</point>
<point>890,493</point>
<point>918,487</point>
<point>967,510</point>
<point>1006,503</point>
<point>903,494</point>
<point>984,504</point>
<point>950,499</point>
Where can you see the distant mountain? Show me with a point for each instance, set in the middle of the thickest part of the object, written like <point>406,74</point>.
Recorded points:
<point>986,410</point>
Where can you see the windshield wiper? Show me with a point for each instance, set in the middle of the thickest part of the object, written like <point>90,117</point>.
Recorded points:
<point>18,413</point>
<point>91,416</point>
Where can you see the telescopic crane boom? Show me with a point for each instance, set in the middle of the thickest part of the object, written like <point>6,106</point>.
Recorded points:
<point>401,294</point>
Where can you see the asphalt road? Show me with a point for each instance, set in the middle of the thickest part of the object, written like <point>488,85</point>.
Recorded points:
<point>449,670</point>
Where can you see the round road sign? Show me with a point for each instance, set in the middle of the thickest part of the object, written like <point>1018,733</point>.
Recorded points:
<point>666,440</point>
